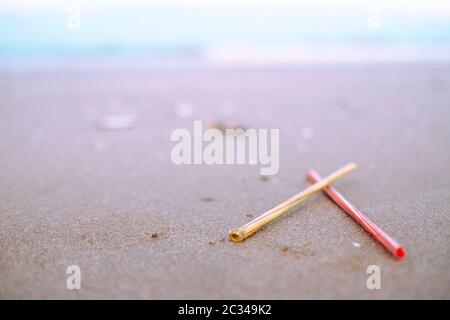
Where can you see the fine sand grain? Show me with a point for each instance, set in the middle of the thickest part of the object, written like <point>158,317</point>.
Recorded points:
<point>112,202</point>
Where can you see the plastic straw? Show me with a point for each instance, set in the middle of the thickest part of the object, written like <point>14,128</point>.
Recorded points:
<point>248,229</point>
<point>390,244</point>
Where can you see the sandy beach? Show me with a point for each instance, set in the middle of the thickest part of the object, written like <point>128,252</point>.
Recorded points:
<point>73,192</point>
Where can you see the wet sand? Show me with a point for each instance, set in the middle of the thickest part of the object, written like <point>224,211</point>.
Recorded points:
<point>112,202</point>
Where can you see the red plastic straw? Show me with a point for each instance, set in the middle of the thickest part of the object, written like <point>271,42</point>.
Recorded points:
<point>390,244</point>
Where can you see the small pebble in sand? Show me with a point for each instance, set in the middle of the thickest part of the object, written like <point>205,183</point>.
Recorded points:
<point>206,199</point>
<point>211,242</point>
<point>154,235</point>
<point>222,239</point>
<point>284,248</point>
<point>117,121</point>
<point>356,244</point>
<point>223,126</point>
<point>249,215</point>
<point>264,178</point>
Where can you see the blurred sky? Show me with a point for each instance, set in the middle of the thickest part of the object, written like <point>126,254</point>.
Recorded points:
<point>222,30</point>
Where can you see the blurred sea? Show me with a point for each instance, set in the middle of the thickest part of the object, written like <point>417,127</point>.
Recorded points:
<point>248,34</point>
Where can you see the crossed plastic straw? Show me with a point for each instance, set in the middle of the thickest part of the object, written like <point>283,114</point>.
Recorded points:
<point>237,235</point>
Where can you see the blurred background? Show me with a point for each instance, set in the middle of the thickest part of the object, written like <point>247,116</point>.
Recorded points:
<point>233,31</point>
